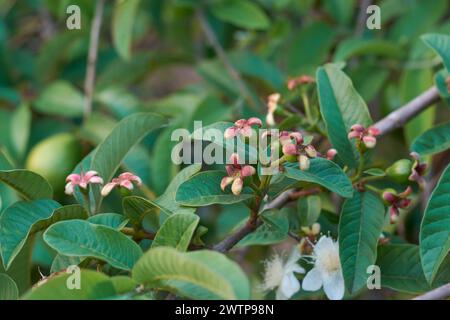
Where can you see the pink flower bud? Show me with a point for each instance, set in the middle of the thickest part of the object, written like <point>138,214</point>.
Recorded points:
<point>254,121</point>
<point>331,153</point>
<point>225,182</point>
<point>289,149</point>
<point>230,133</point>
<point>357,127</point>
<point>247,171</point>
<point>237,185</point>
<point>370,141</point>
<point>374,131</point>
<point>297,136</point>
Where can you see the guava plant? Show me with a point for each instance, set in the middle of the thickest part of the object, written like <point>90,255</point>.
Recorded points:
<point>299,184</point>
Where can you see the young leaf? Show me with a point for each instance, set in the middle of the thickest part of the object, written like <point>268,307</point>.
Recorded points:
<point>325,173</point>
<point>84,239</point>
<point>8,288</point>
<point>308,209</point>
<point>435,228</point>
<point>433,141</point>
<point>341,107</point>
<point>28,184</point>
<point>274,230</point>
<point>124,16</point>
<point>23,219</point>
<point>242,13</point>
<point>136,208</point>
<point>176,231</point>
<point>360,226</point>
<point>441,44</point>
<point>204,274</point>
<point>204,189</point>
<point>20,130</point>
<point>401,269</point>
<point>93,285</point>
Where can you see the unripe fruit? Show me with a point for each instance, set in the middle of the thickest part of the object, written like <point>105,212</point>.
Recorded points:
<point>290,158</point>
<point>400,170</point>
<point>54,158</point>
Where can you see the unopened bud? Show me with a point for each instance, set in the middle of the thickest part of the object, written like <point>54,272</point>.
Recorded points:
<point>303,162</point>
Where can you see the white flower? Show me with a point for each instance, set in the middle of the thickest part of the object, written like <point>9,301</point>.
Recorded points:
<point>279,273</point>
<point>327,271</point>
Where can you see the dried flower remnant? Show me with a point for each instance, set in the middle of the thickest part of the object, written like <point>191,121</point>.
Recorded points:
<point>396,201</point>
<point>418,170</point>
<point>272,104</point>
<point>297,81</point>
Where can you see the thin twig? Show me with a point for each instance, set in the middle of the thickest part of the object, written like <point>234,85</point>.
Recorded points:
<point>221,54</point>
<point>92,58</point>
<point>361,20</point>
<point>402,115</point>
<point>436,294</point>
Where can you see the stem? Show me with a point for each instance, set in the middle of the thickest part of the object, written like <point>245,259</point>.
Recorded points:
<point>92,58</point>
<point>360,167</point>
<point>436,294</point>
<point>221,54</point>
<point>307,107</point>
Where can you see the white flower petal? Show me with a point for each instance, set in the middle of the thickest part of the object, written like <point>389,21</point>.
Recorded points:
<point>289,285</point>
<point>297,268</point>
<point>324,243</point>
<point>333,285</point>
<point>280,295</point>
<point>312,280</point>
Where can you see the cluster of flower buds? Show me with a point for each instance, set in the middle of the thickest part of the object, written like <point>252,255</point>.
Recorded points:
<point>293,149</point>
<point>396,201</point>
<point>83,180</point>
<point>272,104</point>
<point>242,127</point>
<point>365,136</point>
<point>236,173</point>
<point>297,81</point>
<point>417,170</point>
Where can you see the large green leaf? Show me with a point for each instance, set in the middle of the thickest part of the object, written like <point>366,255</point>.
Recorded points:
<point>308,209</point>
<point>204,189</point>
<point>23,219</point>
<point>177,231</point>
<point>128,132</point>
<point>124,16</point>
<point>323,172</point>
<point>401,269</point>
<point>199,274</point>
<point>360,226</point>
<point>441,44</point>
<point>242,13</point>
<point>60,98</point>
<point>433,141</point>
<point>357,47</point>
<point>20,268</point>
<point>8,288</point>
<point>93,285</point>
<point>435,227</point>
<point>274,229</point>
<point>341,107</point>
<point>112,220</point>
<point>30,185</point>
<point>84,239</point>
<point>61,262</point>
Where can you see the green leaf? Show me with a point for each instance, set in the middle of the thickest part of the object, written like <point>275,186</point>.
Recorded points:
<point>123,284</point>
<point>177,231</point>
<point>360,226</point>
<point>20,130</point>
<point>241,13</point>
<point>136,208</point>
<point>61,262</point>
<point>199,274</point>
<point>166,202</point>
<point>433,141</point>
<point>110,153</point>
<point>62,99</point>
<point>325,173</point>
<point>93,285</point>
<point>28,184</point>
<point>435,228</point>
<point>23,219</point>
<point>8,288</point>
<point>401,269</point>
<point>203,189</point>
<point>358,47</point>
<point>84,239</point>
<point>308,209</point>
<point>112,220</point>
<point>375,172</point>
<point>274,229</point>
<point>341,107</point>
<point>441,44</point>
<point>440,79</point>
<point>124,16</point>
